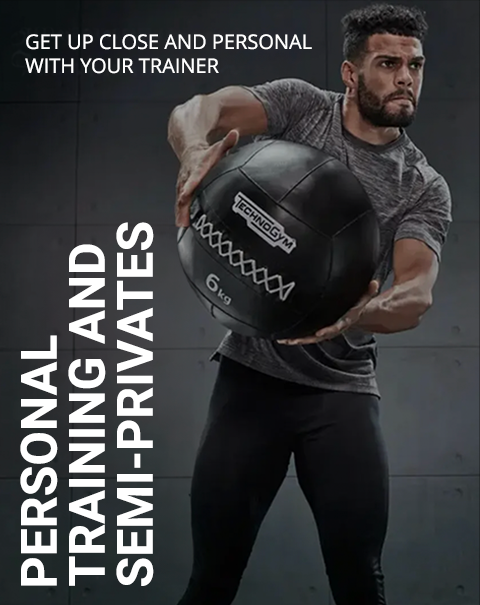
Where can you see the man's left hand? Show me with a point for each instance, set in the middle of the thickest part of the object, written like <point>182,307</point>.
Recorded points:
<point>344,323</point>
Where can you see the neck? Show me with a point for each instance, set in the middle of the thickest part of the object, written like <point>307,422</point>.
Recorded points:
<point>363,130</point>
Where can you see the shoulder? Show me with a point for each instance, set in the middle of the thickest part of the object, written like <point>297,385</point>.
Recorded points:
<point>429,181</point>
<point>293,106</point>
<point>296,89</point>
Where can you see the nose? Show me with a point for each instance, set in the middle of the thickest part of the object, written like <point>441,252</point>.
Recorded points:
<point>404,77</point>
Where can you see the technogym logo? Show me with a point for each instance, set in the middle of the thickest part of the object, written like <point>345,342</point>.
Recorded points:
<point>263,224</point>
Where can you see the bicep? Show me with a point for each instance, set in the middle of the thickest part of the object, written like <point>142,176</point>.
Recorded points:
<point>239,109</point>
<point>414,261</point>
<point>276,107</point>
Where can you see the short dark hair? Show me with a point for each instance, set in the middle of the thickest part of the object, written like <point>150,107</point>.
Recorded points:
<point>359,24</point>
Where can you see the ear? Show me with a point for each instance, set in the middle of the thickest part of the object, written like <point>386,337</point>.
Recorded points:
<point>349,76</point>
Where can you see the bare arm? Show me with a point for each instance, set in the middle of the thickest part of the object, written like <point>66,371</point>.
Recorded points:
<point>205,118</point>
<point>193,128</point>
<point>402,306</point>
<point>399,308</point>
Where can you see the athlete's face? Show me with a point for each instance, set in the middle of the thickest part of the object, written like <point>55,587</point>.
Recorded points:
<point>387,82</point>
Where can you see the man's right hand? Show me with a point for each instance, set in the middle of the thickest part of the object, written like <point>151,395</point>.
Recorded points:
<point>195,164</point>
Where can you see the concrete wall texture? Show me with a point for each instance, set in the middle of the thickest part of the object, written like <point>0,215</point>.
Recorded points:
<point>81,154</point>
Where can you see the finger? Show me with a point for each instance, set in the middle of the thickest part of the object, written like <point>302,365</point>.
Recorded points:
<point>327,334</point>
<point>230,140</point>
<point>374,287</point>
<point>226,144</point>
<point>182,217</point>
<point>333,331</point>
<point>324,332</point>
<point>299,341</point>
<point>190,185</point>
<point>364,300</point>
<point>193,181</point>
<point>184,200</point>
<point>182,211</point>
<point>371,292</point>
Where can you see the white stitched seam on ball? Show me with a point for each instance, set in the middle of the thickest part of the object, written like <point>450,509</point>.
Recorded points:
<point>248,267</point>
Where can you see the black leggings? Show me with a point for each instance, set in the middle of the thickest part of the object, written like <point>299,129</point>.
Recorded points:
<point>255,423</point>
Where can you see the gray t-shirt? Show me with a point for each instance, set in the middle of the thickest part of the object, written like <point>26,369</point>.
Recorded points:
<point>412,201</point>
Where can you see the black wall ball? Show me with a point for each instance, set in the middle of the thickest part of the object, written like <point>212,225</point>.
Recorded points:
<point>283,240</point>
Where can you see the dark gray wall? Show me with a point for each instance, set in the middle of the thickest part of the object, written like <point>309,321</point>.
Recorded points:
<point>80,155</point>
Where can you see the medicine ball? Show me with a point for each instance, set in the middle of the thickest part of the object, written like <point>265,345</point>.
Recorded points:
<point>283,240</point>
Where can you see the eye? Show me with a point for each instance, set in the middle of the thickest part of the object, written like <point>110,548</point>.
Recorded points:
<point>388,64</point>
<point>416,66</point>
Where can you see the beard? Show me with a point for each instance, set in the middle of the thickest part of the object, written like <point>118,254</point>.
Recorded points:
<point>374,109</point>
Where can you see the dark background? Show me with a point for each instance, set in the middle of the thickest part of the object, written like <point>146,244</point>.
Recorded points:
<point>80,154</point>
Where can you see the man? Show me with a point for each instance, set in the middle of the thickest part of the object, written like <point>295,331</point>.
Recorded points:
<point>317,398</point>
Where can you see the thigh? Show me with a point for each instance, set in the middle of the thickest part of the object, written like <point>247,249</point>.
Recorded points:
<point>342,469</point>
<point>242,460</point>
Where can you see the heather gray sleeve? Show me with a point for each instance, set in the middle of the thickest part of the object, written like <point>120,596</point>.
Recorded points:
<point>289,103</point>
<point>430,219</point>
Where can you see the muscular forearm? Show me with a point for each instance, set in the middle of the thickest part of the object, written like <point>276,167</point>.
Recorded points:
<point>398,309</point>
<point>192,124</point>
